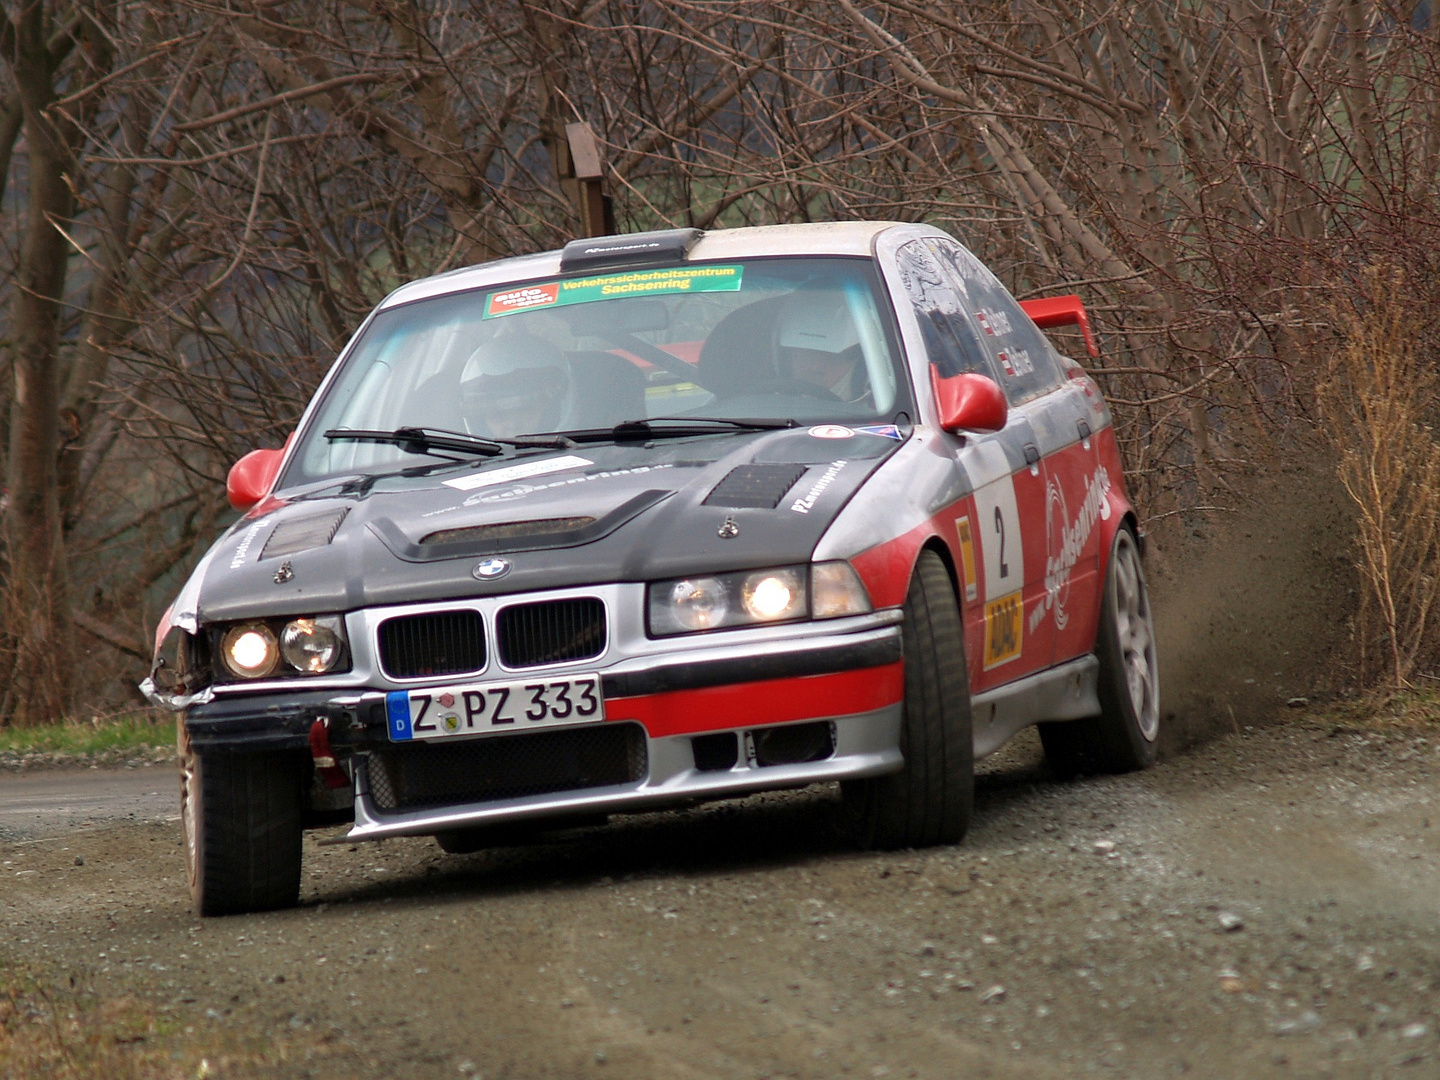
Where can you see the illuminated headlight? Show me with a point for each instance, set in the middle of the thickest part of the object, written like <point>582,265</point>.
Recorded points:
<point>726,600</point>
<point>836,590</point>
<point>308,645</point>
<point>249,650</point>
<point>312,646</point>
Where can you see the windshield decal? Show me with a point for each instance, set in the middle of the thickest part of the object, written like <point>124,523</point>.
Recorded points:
<point>517,472</point>
<point>678,279</point>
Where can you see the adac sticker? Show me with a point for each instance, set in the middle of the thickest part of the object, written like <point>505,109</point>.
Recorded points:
<point>1004,619</point>
<point>885,431</point>
<point>678,279</point>
<point>831,431</point>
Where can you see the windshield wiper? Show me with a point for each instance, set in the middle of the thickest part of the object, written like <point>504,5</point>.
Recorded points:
<point>416,440</point>
<point>677,427</point>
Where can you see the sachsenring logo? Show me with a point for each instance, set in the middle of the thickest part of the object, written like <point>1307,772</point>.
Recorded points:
<point>1072,540</point>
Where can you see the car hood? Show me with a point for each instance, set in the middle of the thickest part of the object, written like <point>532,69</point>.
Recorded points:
<point>593,514</point>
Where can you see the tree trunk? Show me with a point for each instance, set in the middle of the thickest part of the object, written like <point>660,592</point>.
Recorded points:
<point>38,616</point>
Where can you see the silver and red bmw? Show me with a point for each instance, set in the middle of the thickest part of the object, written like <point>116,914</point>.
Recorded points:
<point>660,518</point>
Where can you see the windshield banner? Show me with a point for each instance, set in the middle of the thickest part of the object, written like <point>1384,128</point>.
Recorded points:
<point>676,279</point>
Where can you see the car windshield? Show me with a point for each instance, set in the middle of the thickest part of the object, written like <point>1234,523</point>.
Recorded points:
<point>799,339</point>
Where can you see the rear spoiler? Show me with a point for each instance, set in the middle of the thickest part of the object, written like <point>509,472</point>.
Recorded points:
<point>1051,311</point>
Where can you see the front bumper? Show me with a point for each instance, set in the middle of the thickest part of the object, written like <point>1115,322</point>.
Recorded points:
<point>865,744</point>
<point>850,677</point>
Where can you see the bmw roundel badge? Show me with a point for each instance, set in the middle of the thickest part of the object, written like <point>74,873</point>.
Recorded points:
<point>490,569</point>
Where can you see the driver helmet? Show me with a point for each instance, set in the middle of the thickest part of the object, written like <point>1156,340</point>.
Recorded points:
<point>817,343</point>
<point>515,384</point>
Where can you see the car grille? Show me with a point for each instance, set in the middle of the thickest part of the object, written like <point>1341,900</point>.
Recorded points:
<point>440,643</point>
<point>552,632</point>
<point>507,766</point>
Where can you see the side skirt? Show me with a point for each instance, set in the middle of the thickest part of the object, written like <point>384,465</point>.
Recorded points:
<point>1066,692</point>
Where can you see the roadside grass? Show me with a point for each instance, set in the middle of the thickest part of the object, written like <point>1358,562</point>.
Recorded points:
<point>98,737</point>
<point>58,1027</point>
<point>1403,711</point>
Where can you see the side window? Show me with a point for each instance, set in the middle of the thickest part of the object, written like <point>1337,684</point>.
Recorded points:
<point>951,341</point>
<point>1022,355</point>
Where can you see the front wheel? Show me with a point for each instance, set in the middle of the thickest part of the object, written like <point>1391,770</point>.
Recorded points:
<point>242,815</point>
<point>1125,735</point>
<point>930,799</point>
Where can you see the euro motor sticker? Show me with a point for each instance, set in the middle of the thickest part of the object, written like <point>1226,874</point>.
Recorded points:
<point>803,504</point>
<point>1004,619</point>
<point>684,279</point>
<point>1073,536</point>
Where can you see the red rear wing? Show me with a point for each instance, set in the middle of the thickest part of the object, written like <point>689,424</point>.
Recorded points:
<point>1051,311</point>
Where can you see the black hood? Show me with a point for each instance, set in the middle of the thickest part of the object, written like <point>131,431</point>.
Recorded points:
<point>594,514</point>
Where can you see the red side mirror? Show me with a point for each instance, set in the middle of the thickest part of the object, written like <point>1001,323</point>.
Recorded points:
<point>969,402</point>
<point>252,477</point>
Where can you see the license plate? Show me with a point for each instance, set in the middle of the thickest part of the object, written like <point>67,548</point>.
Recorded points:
<point>492,708</point>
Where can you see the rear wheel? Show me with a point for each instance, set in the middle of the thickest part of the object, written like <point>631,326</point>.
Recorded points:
<point>1125,735</point>
<point>242,815</point>
<point>929,800</point>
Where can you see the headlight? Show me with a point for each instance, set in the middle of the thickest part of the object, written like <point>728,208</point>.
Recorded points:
<point>311,646</point>
<point>773,595</point>
<point>754,597</point>
<point>835,590</point>
<point>695,604</point>
<point>249,650</point>
<point>308,645</point>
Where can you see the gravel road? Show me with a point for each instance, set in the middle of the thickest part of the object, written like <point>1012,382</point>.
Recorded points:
<point>1263,905</point>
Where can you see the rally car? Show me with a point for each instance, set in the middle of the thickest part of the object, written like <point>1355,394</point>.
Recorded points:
<point>656,519</point>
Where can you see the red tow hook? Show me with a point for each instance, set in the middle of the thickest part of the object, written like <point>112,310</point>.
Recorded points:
<point>325,763</point>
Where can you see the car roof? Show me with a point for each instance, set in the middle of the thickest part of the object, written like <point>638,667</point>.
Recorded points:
<point>816,238</point>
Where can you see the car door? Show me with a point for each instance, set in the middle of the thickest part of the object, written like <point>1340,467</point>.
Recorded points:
<point>997,532</point>
<point>1065,509</point>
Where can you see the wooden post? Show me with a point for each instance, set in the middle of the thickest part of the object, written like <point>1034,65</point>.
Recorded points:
<point>597,212</point>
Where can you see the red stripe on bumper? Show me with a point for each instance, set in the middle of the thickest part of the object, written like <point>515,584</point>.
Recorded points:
<point>773,701</point>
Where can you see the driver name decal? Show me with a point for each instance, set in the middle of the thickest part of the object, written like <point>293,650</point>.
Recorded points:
<point>682,279</point>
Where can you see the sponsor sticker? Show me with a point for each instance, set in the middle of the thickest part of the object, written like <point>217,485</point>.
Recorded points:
<point>831,431</point>
<point>1004,619</point>
<point>521,490</point>
<point>1068,540</point>
<point>243,548</point>
<point>677,279</point>
<point>967,556</point>
<point>885,431</point>
<point>803,504</point>
<point>517,472</point>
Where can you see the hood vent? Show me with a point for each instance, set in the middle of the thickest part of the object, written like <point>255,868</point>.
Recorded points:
<point>508,530</point>
<point>302,533</point>
<point>755,487</point>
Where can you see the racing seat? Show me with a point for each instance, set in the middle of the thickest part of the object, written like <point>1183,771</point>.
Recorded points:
<point>738,358</point>
<point>606,389</point>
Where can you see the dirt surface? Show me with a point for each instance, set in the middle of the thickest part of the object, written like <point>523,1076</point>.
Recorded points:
<point>1261,906</point>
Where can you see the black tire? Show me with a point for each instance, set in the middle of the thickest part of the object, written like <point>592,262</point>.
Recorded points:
<point>1126,734</point>
<point>929,800</point>
<point>242,816</point>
